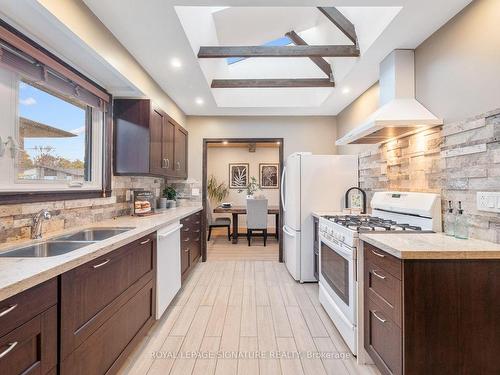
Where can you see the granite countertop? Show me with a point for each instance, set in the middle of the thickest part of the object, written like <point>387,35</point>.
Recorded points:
<point>431,246</point>
<point>19,274</point>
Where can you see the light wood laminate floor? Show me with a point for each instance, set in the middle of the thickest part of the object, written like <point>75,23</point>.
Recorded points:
<point>244,317</point>
<point>219,248</point>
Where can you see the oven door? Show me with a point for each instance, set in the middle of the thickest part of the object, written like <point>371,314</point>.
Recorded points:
<point>337,275</point>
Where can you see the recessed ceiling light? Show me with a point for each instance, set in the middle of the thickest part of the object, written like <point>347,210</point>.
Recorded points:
<point>176,63</point>
<point>199,101</point>
<point>346,90</point>
<point>278,143</point>
<point>224,142</point>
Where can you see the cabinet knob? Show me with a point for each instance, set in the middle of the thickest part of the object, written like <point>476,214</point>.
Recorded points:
<point>7,310</point>
<point>10,347</point>
<point>378,317</point>
<point>378,254</point>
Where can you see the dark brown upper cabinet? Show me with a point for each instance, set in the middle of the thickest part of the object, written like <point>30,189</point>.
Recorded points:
<point>148,141</point>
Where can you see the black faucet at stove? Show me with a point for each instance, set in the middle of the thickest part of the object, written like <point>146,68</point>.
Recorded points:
<point>363,193</point>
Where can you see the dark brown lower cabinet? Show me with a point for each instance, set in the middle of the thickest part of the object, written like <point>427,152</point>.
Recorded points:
<point>428,316</point>
<point>190,242</point>
<point>30,345</point>
<point>106,305</point>
<point>104,351</point>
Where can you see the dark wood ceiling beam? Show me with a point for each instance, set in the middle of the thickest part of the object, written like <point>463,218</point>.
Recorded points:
<point>278,51</point>
<point>271,83</point>
<point>339,20</point>
<point>319,61</point>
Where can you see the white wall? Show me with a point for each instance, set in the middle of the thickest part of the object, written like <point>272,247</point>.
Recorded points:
<point>457,71</point>
<point>218,159</point>
<point>314,134</point>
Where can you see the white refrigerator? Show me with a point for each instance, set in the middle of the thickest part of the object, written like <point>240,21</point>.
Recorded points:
<point>311,183</point>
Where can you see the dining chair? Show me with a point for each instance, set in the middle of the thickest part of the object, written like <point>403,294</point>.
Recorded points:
<point>256,218</point>
<point>220,222</point>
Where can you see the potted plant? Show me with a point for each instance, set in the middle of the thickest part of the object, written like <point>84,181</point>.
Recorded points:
<point>170,193</point>
<point>252,187</point>
<point>217,192</point>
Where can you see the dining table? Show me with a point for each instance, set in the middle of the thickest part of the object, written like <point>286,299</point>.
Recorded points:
<point>235,211</point>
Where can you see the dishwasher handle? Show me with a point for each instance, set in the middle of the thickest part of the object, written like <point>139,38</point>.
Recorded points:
<point>163,235</point>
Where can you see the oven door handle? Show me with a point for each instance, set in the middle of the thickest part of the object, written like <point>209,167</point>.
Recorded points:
<point>349,255</point>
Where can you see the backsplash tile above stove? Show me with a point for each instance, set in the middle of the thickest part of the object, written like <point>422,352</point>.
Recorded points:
<point>456,160</point>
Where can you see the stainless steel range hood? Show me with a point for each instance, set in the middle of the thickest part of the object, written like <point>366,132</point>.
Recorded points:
<point>400,114</point>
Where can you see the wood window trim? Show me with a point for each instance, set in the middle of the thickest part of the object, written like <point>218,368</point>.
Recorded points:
<point>37,52</point>
<point>23,43</point>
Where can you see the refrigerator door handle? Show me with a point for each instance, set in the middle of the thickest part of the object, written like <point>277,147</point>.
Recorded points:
<point>285,229</point>
<point>282,187</point>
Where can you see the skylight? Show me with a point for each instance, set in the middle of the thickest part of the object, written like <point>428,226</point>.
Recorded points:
<point>284,41</point>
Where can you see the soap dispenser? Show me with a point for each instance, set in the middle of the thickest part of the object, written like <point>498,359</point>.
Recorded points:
<point>461,224</point>
<point>449,221</point>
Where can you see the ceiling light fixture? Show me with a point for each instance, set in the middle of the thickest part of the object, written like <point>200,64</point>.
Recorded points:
<point>176,63</point>
<point>199,101</point>
<point>224,142</point>
<point>346,90</point>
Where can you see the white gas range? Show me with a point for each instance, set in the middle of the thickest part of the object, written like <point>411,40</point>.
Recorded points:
<point>398,212</point>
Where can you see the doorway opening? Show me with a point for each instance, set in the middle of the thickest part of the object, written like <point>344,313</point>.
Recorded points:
<point>235,170</point>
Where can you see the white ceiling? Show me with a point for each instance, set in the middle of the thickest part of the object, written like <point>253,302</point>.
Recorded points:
<point>37,23</point>
<point>236,26</point>
<point>153,33</point>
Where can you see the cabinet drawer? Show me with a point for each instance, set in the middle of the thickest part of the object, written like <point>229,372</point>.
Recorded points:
<point>385,261</point>
<point>106,349</point>
<point>32,347</point>
<point>87,292</point>
<point>385,289</point>
<point>383,340</point>
<point>20,308</point>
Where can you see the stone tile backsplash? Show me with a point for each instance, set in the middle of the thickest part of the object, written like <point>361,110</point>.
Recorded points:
<point>16,220</point>
<point>456,160</point>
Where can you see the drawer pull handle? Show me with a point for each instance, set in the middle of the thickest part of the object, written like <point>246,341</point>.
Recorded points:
<point>11,346</point>
<point>145,242</point>
<point>101,264</point>
<point>378,317</point>
<point>378,254</point>
<point>186,250</point>
<point>186,240</point>
<point>8,310</point>
<point>378,275</point>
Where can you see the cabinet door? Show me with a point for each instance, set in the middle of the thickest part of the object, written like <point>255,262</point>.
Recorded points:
<point>155,154</point>
<point>32,347</point>
<point>195,238</point>
<point>168,138</point>
<point>92,292</point>
<point>383,339</point>
<point>181,139</point>
<point>108,347</point>
<point>185,248</point>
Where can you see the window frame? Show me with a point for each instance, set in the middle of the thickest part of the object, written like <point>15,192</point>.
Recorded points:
<point>13,37</point>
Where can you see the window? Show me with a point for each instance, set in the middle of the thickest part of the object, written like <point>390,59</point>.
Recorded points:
<point>51,142</point>
<point>54,127</point>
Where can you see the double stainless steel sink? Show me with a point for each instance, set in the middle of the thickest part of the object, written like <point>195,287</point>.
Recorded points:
<point>64,244</point>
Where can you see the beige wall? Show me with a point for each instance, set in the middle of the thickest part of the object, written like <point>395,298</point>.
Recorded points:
<point>218,160</point>
<point>458,67</point>
<point>315,134</point>
<point>457,71</point>
<point>354,115</point>
<point>81,21</point>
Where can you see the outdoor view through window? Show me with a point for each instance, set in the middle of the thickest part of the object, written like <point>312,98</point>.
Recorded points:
<point>52,137</point>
